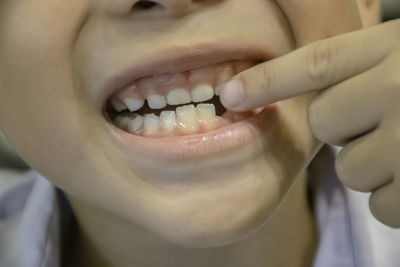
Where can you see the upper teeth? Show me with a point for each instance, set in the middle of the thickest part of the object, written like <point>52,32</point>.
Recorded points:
<point>156,101</point>
<point>202,93</point>
<point>196,85</point>
<point>178,96</point>
<point>134,104</point>
<point>117,105</point>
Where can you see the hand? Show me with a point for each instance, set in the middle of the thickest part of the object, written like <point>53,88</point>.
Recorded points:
<point>359,107</point>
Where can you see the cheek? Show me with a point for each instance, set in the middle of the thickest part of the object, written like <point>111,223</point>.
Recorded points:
<point>313,20</point>
<point>39,113</point>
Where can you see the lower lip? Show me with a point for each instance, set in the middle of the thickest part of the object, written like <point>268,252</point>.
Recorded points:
<point>196,146</point>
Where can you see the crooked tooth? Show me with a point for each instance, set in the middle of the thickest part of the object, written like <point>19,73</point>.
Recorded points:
<point>156,101</point>
<point>202,93</point>
<point>117,105</point>
<point>206,112</point>
<point>151,124</point>
<point>178,97</point>
<point>133,104</point>
<point>168,120</point>
<point>135,124</point>
<point>187,116</point>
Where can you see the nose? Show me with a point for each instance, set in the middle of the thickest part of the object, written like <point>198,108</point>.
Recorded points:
<point>174,8</point>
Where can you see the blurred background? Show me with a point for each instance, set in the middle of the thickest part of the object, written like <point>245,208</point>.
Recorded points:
<point>8,158</point>
<point>391,9</point>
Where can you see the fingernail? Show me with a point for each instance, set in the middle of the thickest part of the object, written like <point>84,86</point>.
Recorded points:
<point>232,93</point>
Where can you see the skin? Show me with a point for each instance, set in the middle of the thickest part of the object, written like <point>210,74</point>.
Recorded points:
<point>356,108</point>
<point>54,55</point>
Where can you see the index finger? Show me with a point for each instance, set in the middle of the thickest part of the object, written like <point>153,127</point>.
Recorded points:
<point>316,66</point>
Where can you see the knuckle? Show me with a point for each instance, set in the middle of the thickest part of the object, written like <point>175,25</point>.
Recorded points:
<point>319,62</point>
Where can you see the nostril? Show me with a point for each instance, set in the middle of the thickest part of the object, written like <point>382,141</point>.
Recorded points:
<point>144,5</point>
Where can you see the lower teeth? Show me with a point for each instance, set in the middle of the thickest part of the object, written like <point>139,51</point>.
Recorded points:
<point>185,120</point>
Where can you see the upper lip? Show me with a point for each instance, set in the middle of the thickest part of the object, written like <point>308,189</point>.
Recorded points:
<point>183,58</point>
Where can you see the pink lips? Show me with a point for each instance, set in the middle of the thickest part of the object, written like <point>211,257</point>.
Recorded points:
<point>177,148</point>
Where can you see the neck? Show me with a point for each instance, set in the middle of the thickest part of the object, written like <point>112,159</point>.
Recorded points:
<point>287,239</point>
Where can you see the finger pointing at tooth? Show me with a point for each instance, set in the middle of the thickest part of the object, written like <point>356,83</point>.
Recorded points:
<point>313,67</point>
<point>357,108</point>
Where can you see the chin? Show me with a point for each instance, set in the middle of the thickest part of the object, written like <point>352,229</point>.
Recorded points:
<point>218,215</point>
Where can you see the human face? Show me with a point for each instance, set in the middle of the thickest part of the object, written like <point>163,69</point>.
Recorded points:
<point>63,60</point>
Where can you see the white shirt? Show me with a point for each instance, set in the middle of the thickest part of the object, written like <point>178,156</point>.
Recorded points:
<point>35,218</point>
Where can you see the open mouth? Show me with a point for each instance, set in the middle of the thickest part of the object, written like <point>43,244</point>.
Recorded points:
<point>178,104</point>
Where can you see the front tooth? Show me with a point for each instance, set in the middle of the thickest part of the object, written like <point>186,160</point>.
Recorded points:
<point>134,104</point>
<point>156,101</point>
<point>135,124</point>
<point>206,112</point>
<point>151,124</point>
<point>187,116</point>
<point>202,93</point>
<point>168,120</point>
<point>178,97</point>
